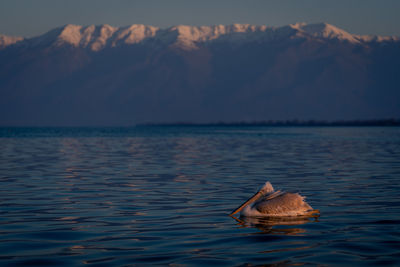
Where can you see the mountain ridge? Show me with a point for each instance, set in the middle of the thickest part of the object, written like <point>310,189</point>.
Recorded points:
<point>103,75</point>
<point>101,36</point>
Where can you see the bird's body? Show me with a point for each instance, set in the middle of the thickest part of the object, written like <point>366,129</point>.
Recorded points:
<point>285,204</point>
<point>268,202</point>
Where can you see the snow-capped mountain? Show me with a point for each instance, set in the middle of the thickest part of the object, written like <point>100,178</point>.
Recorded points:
<point>104,75</point>
<point>99,37</point>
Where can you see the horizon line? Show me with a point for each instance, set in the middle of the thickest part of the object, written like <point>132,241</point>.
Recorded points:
<point>294,122</point>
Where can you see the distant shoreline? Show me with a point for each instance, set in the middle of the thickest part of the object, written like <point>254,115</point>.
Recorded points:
<point>269,123</point>
<point>385,122</point>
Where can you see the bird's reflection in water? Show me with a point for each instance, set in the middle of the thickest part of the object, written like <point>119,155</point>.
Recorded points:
<point>276,225</point>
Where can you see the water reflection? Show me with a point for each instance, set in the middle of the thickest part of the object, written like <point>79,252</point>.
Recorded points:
<point>276,225</point>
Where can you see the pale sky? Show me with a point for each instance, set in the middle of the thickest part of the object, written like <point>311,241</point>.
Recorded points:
<point>34,17</point>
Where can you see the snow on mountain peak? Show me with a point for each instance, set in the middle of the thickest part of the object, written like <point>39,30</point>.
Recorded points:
<point>70,34</point>
<point>187,37</point>
<point>8,40</point>
<point>102,35</point>
<point>324,30</point>
<point>98,37</point>
<point>134,34</point>
<point>198,33</point>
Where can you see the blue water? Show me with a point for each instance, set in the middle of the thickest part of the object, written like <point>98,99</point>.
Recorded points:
<point>160,196</point>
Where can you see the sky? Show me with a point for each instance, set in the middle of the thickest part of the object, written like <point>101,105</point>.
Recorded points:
<point>30,18</point>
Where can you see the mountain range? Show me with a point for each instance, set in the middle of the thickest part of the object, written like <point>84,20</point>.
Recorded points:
<point>116,76</point>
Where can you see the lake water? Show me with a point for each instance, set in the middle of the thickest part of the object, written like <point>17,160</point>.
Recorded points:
<point>161,196</point>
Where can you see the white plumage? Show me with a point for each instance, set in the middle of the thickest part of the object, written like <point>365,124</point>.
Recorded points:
<point>271,203</point>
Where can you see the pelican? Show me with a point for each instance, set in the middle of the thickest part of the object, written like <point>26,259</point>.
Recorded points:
<point>270,203</point>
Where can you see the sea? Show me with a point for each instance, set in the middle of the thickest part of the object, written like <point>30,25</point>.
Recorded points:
<point>162,195</point>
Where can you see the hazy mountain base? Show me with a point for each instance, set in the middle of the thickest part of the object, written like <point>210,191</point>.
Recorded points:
<point>283,79</point>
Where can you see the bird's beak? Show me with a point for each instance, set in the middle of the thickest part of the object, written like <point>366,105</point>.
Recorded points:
<point>248,202</point>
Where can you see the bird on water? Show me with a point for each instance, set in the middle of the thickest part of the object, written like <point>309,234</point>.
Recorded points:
<point>270,203</point>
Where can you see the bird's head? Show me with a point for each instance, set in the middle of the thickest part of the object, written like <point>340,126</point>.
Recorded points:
<point>267,189</point>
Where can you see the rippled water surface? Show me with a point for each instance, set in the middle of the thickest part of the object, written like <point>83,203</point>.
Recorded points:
<point>161,195</point>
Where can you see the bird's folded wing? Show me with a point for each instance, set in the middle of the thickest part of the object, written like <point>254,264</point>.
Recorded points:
<point>274,195</point>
